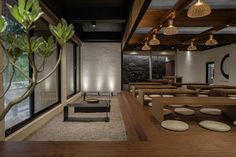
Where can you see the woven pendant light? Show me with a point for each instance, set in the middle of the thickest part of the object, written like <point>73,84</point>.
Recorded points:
<point>211,41</point>
<point>154,40</point>
<point>146,47</point>
<point>199,9</point>
<point>192,47</point>
<point>171,29</point>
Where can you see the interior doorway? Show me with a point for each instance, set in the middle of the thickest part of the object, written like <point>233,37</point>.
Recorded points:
<point>210,68</point>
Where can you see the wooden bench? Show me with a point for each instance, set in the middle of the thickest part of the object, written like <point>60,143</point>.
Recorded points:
<point>222,92</point>
<point>158,104</point>
<point>134,89</point>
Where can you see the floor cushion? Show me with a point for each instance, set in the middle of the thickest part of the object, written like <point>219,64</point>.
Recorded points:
<point>175,105</point>
<point>150,104</point>
<point>194,105</point>
<point>184,111</point>
<point>92,100</point>
<point>202,95</point>
<point>148,99</point>
<point>154,95</point>
<point>166,111</point>
<point>167,96</point>
<point>211,111</point>
<point>175,125</point>
<point>215,126</point>
<point>234,123</point>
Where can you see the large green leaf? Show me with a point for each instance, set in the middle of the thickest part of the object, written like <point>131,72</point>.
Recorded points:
<point>3,24</point>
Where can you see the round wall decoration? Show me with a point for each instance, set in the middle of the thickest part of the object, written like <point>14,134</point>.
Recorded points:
<point>222,66</point>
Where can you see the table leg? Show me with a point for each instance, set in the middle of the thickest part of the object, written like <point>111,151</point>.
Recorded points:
<point>157,110</point>
<point>140,97</point>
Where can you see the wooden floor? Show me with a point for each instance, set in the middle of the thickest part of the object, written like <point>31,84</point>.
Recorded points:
<point>145,138</point>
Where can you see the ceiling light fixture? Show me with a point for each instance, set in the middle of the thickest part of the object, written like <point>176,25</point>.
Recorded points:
<point>199,9</point>
<point>211,41</point>
<point>171,29</point>
<point>154,40</point>
<point>192,47</point>
<point>146,47</point>
<point>93,24</point>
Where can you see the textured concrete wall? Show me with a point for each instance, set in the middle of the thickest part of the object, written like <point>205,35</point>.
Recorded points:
<point>101,67</point>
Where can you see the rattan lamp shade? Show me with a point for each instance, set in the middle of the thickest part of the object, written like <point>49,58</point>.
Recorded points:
<point>170,29</point>
<point>199,9</point>
<point>154,40</point>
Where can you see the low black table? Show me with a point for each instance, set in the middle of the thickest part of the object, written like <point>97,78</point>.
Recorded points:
<point>85,107</point>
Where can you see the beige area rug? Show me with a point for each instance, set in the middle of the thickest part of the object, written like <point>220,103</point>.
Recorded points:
<point>57,130</point>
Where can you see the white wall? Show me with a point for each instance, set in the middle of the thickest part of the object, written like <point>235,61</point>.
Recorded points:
<point>192,65</point>
<point>101,67</point>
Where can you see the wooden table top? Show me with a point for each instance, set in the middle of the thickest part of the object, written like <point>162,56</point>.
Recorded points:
<point>169,91</point>
<point>196,100</point>
<point>154,87</point>
<point>179,84</point>
<point>210,86</point>
<point>144,83</point>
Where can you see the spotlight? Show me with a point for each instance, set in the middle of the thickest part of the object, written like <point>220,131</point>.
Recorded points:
<point>93,24</point>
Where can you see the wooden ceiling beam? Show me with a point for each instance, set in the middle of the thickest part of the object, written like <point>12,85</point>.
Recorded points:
<point>172,13</point>
<point>137,11</point>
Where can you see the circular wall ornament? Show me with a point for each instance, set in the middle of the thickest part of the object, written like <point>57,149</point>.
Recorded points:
<point>222,66</point>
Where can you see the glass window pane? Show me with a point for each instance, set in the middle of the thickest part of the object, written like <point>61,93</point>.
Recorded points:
<point>78,69</point>
<point>70,71</point>
<point>47,92</point>
<point>21,111</point>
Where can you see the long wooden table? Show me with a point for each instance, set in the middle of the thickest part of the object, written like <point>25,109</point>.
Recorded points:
<point>222,92</point>
<point>187,84</point>
<point>179,91</point>
<point>209,87</point>
<point>143,83</point>
<point>158,104</point>
<point>137,87</point>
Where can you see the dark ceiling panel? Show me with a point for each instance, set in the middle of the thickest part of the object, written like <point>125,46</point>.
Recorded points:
<point>110,17</point>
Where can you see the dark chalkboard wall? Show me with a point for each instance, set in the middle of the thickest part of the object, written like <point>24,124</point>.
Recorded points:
<point>136,68</point>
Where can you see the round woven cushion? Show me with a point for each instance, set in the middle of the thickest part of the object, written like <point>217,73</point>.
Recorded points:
<point>148,99</point>
<point>215,126</point>
<point>184,111</point>
<point>175,105</point>
<point>202,95</point>
<point>194,105</point>
<point>92,100</point>
<point>211,111</point>
<point>234,123</point>
<point>166,112</point>
<point>154,95</point>
<point>150,104</point>
<point>231,95</point>
<point>168,96</point>
<point>175,125</point>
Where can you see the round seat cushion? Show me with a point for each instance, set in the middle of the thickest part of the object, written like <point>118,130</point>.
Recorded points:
<point>215,126</point>
<point>176,105</point>
<point>154,95</point>
<point>167,96</point>
<point>150,104</point>
<point>231,95</point>
<point>211,111</point>
<point>234,123</point>
<point>148,99</point>
<point>166,112</point>
<point>202,95</point>
<point>194,105</point>
<point>175,125</point>
<point>184,111</point>
<point>92,100</point>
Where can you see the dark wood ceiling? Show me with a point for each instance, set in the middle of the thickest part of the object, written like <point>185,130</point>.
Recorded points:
<point>110,17</point>
<point>223,14</point>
